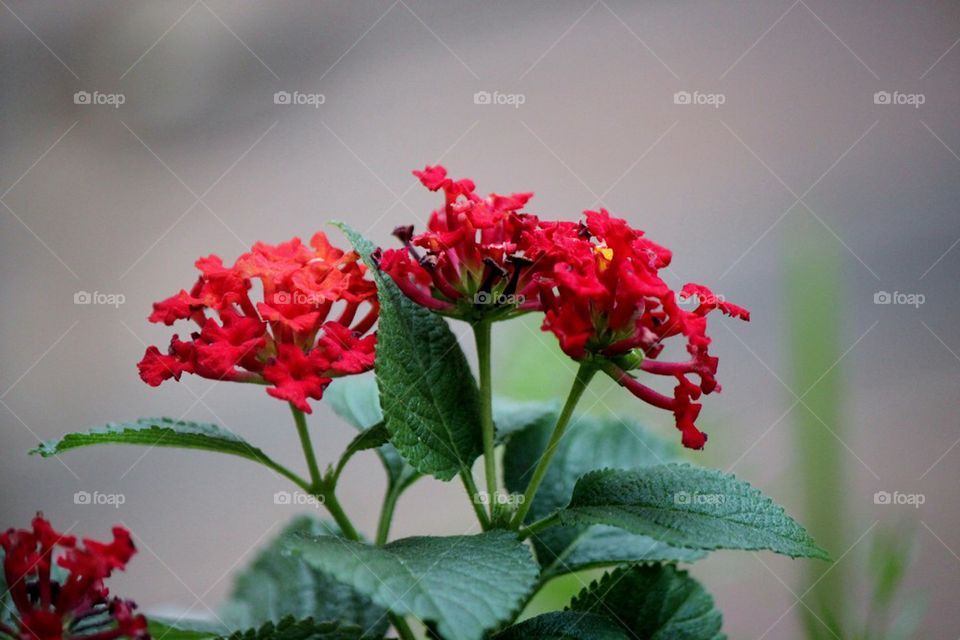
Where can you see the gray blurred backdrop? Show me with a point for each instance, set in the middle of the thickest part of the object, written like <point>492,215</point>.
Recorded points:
<point>199,159</point>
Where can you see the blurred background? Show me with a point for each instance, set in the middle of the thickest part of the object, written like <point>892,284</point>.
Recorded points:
<point>799,157</point>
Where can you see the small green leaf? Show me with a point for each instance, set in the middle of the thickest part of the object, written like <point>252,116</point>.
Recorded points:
<point>688,506</point>
<point>428,394</point>
<point>277,585</point>
<point>286,629</point>
<point>356,399</point>
<point>590,443</point>
<point>465,584</point>
<point>654,602</point>
<point>157,432</point>
<point>512,416</point>
<point>565,625</point>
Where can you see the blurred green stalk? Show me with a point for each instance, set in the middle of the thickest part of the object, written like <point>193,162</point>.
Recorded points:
<point>814,312</point>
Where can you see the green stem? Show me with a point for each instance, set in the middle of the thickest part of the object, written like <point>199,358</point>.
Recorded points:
<point>474,494</point>
<point>287,473</point>
<point>400,624</point>
<point>482,334</point>
<point>333,506</point>
<point>538,526</point>
<point>386,514</point>
<point>320,489</point>
<point>301,420</point>
<point>584,375</point>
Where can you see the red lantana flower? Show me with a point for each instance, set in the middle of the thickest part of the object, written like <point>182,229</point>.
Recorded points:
<point>604,299</point>
<point>474,260</point>
<point>76,606</point>
<point>312,324</point>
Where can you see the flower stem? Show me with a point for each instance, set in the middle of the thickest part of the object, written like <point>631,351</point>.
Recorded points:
<point>403,629</point>
<point>475,501</point>
<point>386,514</point>
<point>318,487</point>
<point>301,420</point>
<point>584,375</point>
<point>333,506</point>
<point>482,334</point>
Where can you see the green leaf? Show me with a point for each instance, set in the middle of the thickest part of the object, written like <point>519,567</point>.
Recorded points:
<point>428,394</point>
<point>654,602</point>
<point>277,584</point>
<point>465,584</point>
<point>164,628</point>
<point>688,506</point>
<point>565,625</point>
<point>157,432</point>
<point>356,399</point>
<point>590,443</point>
<point>512,416</point>
<point>286,629</point>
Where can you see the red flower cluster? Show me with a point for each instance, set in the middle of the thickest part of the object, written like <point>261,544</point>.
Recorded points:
<point>597,282</point>
<point>474,259</point>
<point>604,299</point>
<point>77,606</point>
<point>288,340</point>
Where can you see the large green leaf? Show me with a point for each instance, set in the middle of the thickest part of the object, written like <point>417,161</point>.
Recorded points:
<point>688,506</point>
<point>653,602</point>
<point>277,585</point>
<point>157,432</point>
<point>286,629</point>
<point>467,585</point>
<point>356,399</point>
<point>590,443</point>
<point>428,394</point>
<point>565,625</point>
